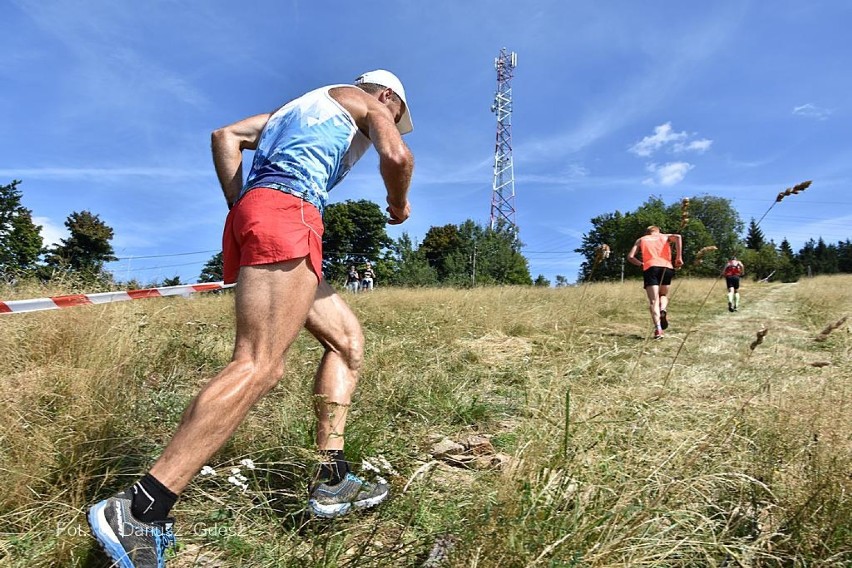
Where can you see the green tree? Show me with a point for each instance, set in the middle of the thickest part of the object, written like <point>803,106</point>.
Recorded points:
<point>86,249</point>
<point>470,254</point>
<point>789,267</point>
<point>724,226</point>
<point>607,229</point>
<point>844,256</point>
<point>819,258</point>
<point>213,270</point>
<point>410,267</point>
<point>355,232</point>
<point>710,221</point>
<point>695,237</point>
<point>171,281</point>
<point>763,263</point>
<point>754,238</point>
<point>497,255</point>
<point>540,280</point>
<point>20,238</point>
<point>826,257</point>
<point>721,220</point>
<point>442,249</point>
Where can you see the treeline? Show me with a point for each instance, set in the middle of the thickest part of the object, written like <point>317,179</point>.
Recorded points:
<point>80,258</point>
<point>450,255</point>
<point>462,255</point>
<point>780,262</point>
<point>468,254</point>
<point>711,230</point>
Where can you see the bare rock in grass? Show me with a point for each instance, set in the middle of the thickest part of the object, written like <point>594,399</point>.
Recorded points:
<point>478,445</point>
<point>446,447</point>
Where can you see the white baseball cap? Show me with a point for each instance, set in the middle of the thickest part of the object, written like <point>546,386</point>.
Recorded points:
<point>391,81</point>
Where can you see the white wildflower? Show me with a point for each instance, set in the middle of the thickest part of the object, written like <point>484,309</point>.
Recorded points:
<point>386,464</point>
<point>367,466</point>
<point>238,482</point>
<point>247,463</point>
<point>207,470</point>
<point>381,464</point>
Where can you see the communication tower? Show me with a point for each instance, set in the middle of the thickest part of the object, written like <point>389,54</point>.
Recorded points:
<point>503,188</point>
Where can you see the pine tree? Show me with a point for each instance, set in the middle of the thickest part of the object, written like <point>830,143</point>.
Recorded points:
<point>786,248</point>
<point>754,239</point>
<point>20,238</point>
<point>87,248</point>
<point>789,267</point>
<point>214,270</point>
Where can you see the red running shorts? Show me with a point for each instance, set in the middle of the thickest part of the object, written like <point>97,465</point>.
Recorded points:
<point>268,226</point>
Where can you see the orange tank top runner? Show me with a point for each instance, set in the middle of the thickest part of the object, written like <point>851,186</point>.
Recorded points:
<point>733,270</point>
<point>655,251</point>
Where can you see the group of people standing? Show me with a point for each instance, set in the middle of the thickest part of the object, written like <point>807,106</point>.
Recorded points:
<point>365,281</point>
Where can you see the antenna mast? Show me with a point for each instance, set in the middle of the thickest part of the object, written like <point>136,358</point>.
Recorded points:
<point>503,188</point>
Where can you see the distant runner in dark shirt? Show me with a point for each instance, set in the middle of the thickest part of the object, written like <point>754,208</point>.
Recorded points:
<point>733,271</point>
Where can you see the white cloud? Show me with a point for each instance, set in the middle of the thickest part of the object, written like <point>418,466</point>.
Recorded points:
<point>662,135</point>
<point>665,137</point>
<point>667,174</point>
<point>699,146</point>
<point>50,233</point>
<point>812,111</point>
<point>576,171</point>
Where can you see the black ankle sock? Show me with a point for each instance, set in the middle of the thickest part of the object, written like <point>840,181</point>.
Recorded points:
<point>152,500</point>
<point>335,467</point>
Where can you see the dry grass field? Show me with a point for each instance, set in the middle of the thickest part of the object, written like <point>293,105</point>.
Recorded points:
<point>518,427</point>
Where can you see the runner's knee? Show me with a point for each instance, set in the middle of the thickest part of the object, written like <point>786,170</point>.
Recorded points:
<point>262,375</point>
<point>352,348</point>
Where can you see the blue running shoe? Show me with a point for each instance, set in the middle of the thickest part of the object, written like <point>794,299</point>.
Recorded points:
<point>129,542</point>
<point>329,501</point>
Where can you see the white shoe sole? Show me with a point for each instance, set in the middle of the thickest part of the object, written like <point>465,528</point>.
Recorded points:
<point>336,510</point>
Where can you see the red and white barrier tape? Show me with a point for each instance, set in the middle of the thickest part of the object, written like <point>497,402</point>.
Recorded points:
<point>58,302</point>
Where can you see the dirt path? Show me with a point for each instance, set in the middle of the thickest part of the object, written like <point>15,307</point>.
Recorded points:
<point>717,345</point>
<point>761,305</point>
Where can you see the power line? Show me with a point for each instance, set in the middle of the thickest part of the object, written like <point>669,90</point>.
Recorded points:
<point>164,255</point>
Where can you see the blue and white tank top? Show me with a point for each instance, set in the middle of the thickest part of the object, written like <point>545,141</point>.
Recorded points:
<point>307,147</point>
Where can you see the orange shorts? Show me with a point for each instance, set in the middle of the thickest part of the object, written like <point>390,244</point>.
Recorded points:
<point>268,226</point>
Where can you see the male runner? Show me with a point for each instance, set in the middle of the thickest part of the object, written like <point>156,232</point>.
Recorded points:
<point>734,269</point>
<point>657,272</point>
<point>272,242</point>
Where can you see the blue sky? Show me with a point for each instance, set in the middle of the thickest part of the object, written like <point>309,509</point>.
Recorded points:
<point>108,106</point>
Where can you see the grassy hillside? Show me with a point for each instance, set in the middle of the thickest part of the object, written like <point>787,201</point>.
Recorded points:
<point>580,441</point>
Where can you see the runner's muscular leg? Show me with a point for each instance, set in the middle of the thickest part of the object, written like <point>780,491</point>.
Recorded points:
<point>272,303</point>
<point>664,297</point>
<point>653,293</point>
<point>334,325</point>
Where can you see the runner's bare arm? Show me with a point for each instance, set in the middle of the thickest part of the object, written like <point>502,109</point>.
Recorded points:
<point>396,163</point>
<point>678,241</point>
<point>631,256</point>
<point>228,144</point>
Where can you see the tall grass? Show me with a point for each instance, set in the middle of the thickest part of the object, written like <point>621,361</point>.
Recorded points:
<point>690,451</point>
